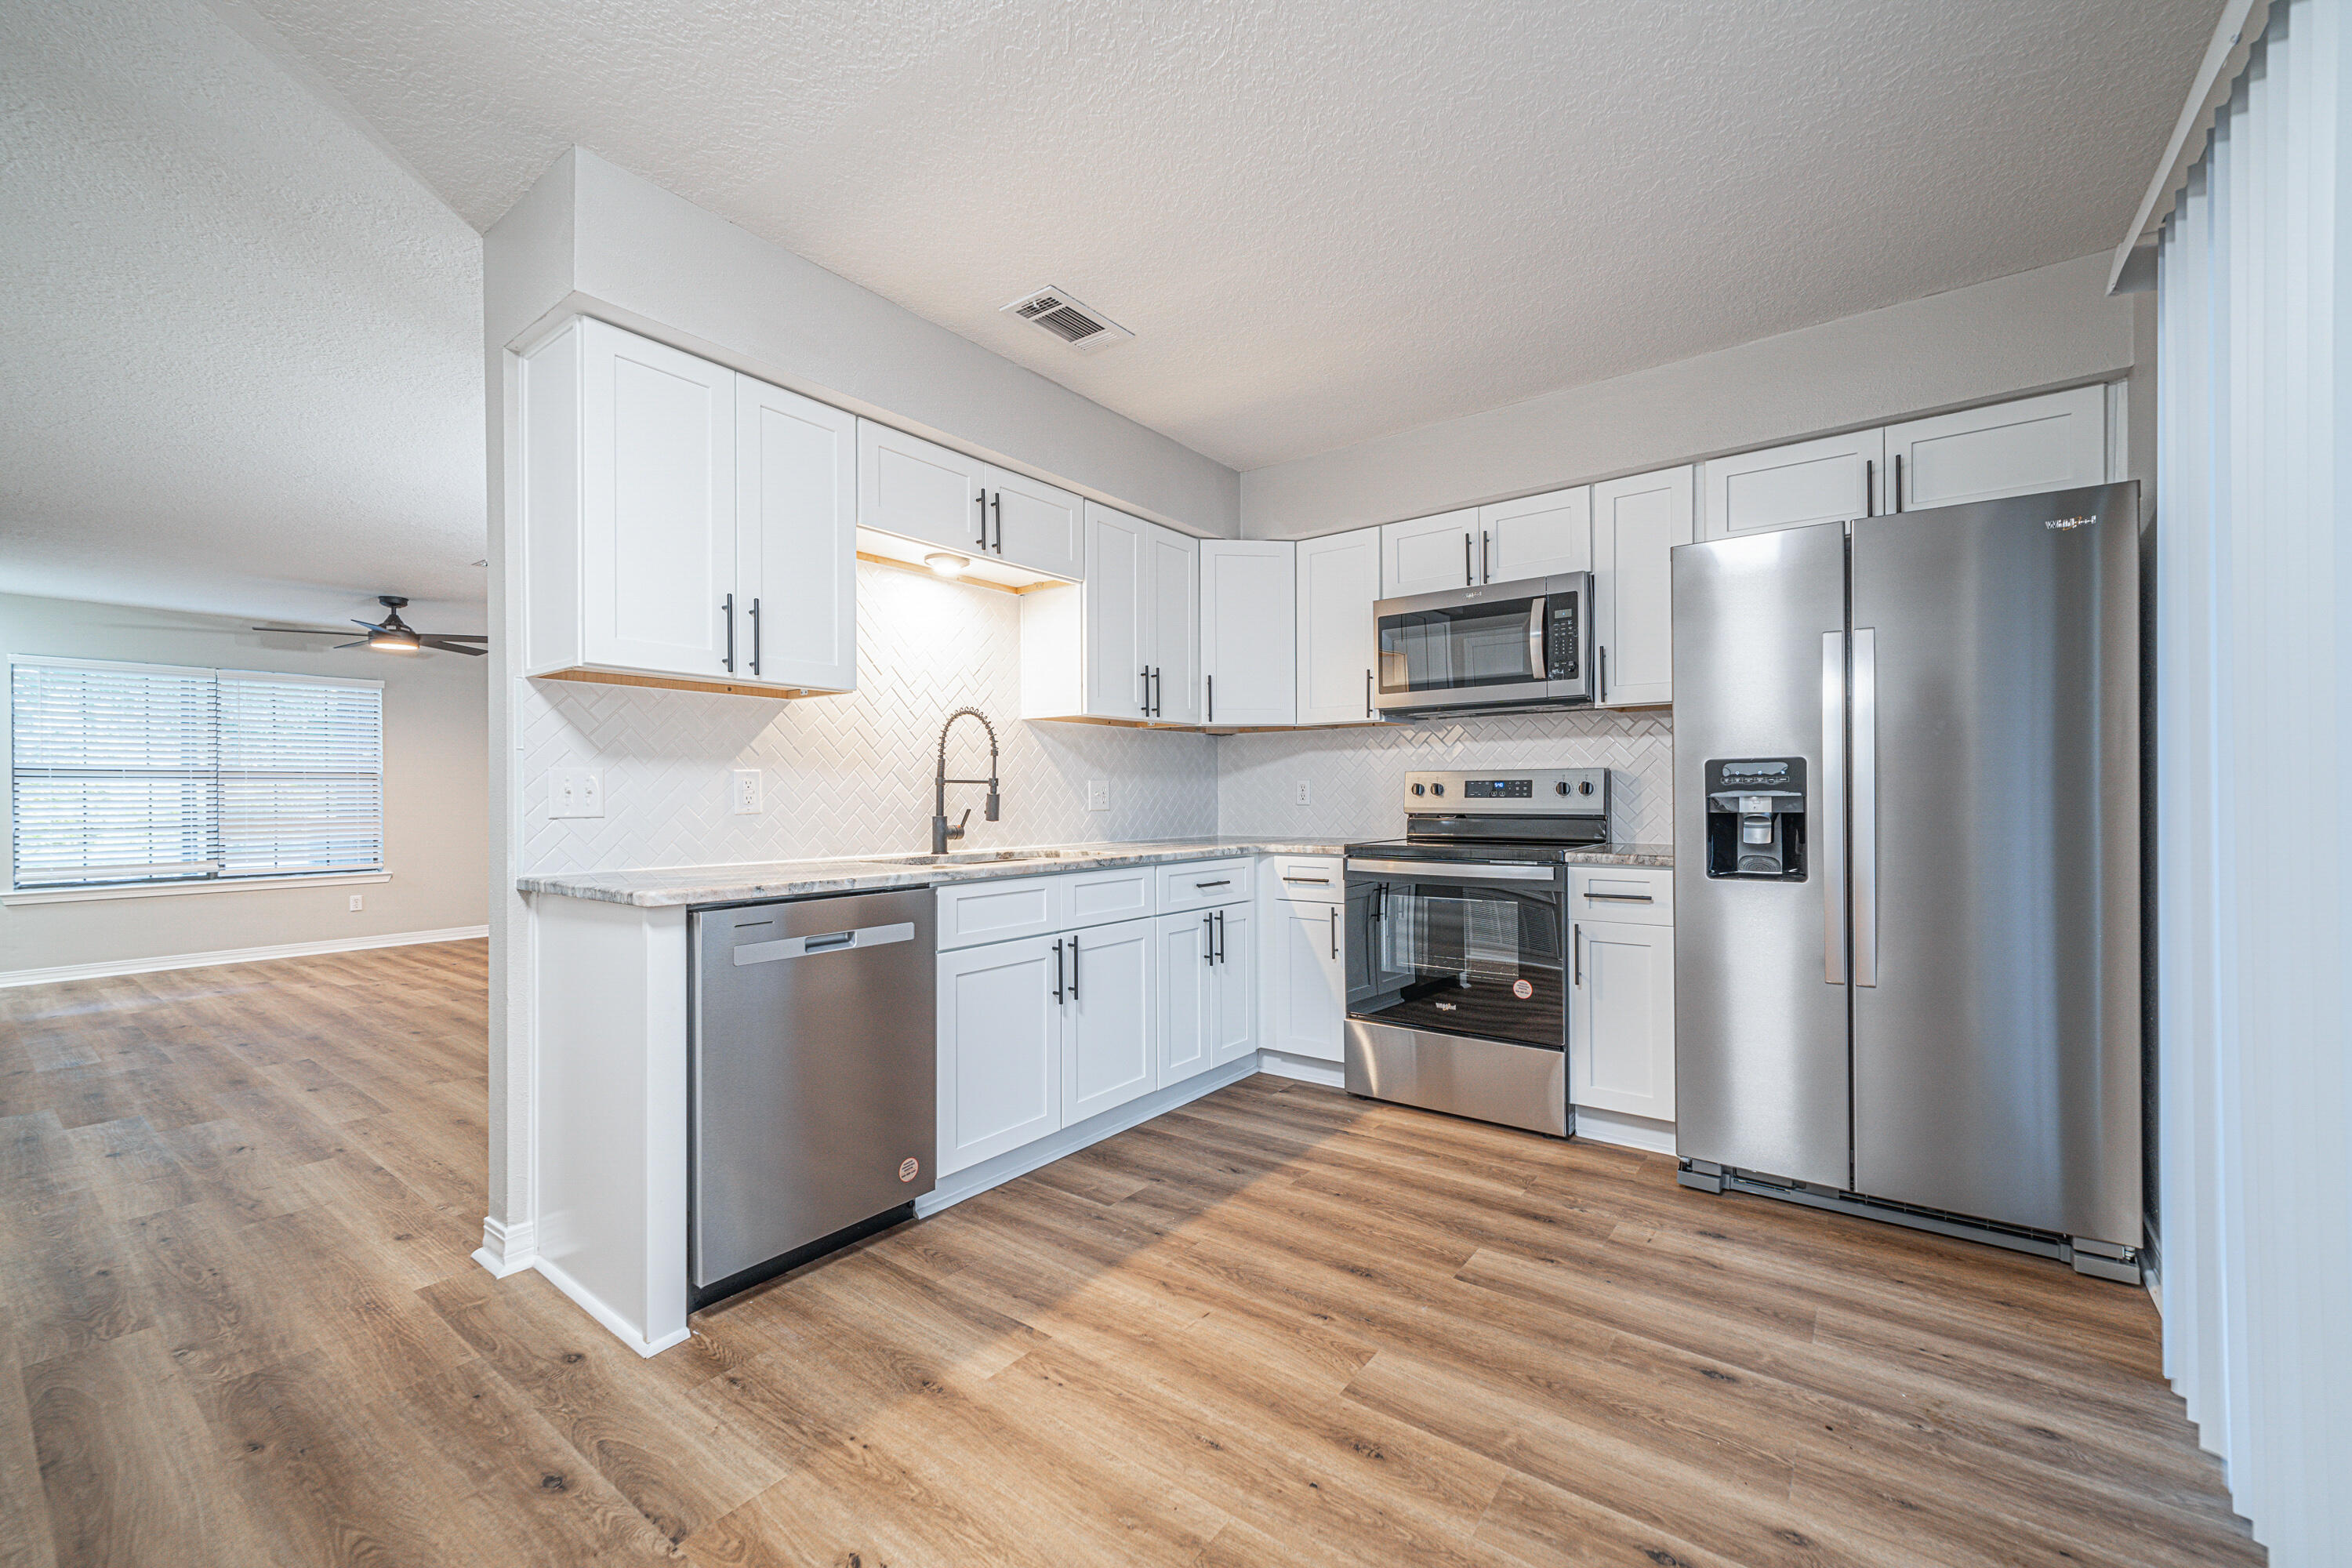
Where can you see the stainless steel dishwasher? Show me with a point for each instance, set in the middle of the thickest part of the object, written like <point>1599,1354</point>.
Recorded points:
<point>813,1113</point>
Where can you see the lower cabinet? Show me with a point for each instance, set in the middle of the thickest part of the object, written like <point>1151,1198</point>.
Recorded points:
<point>1622,1023</point>
<point>1305,980</point>
<point>1001,1028</point>
<point>1206,1000</point>
<point>1111,1019</point>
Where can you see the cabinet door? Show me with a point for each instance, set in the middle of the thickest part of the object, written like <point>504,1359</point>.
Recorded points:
<point>1306,981</point>
<point>1338,581</point>
<point>1171,582</point>
<point>1635,523</point>
<point>796,537</point>
<point>1429,553</point>
<point>1829,480</point>
<point>1249,631</point>
<point>1188,993</point>
<point>1034,524</point>
<point>1000,1048</point>
<point>1116,614</point>
<point>657,505</point>
<point>1112,1042</point>
<point>2053,443</point>
<point>1232,1018</point>
<point>1537,536</point>
<point>1621,1022</point>
<point>920,490</point>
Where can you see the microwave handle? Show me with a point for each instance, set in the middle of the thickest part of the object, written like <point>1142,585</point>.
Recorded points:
<point>1536,624</point>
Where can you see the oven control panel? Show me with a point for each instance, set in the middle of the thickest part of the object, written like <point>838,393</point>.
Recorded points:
<point>1528,792</point>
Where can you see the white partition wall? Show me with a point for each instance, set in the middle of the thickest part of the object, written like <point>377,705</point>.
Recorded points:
<point>2253,741</point>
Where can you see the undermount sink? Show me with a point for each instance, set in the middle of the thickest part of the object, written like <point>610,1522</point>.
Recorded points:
<point>968,858</point>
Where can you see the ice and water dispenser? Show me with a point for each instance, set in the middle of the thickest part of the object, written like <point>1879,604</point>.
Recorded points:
<point>1756,818</point>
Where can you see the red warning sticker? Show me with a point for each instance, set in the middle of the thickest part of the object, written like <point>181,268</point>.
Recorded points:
<point>1522,990</point>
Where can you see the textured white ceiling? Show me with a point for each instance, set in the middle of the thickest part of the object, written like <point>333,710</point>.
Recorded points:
<point>240,363</point>
<point>1324,219</point>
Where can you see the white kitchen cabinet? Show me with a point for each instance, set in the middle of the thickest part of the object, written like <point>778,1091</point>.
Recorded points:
<point>1305,979</point>
<point>1000,1027</point>
<point>1636,522</point>
<point>1621,1018</point>
<point>1125,644</point>
<point>1829,480</point>
<point>2056,442</point>
<point>1338,583</point>
<point>1249,631</point>
<point>1111,1043</point>
<point>921,490</point>
<point>678,518</point>
<point>1429,553</point>
<point>1536,536</point>
<point>1208,1005</point>
<point>1230,1014</point>
<point>796,528</point>
<point>1000,909</point>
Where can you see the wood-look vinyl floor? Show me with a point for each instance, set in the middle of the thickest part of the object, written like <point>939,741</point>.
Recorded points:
<point>239,1324</point>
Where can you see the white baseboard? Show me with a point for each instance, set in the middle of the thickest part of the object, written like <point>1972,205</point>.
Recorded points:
<point>620,1328</point>
<point>507,1249</point>
<point>1626,1132</point>
<point>1305,1070</point>
<point>232,956</point>
<point>975,1180</point>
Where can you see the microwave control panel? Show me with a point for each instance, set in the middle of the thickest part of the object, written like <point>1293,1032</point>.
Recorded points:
<point>1559,637</point>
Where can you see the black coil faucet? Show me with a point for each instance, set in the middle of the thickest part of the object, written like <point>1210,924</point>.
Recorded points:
<point>940,831</point>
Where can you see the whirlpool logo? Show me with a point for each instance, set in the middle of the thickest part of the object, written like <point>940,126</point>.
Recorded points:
<point>2065,522</point>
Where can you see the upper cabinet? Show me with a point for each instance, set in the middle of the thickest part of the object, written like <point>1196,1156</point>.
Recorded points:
<point>1125,644</point>
<point>680,520</point>
<point>2054,443</point>
<point>1429,553</point>
<point>1338,583</point>
<point>921,490</point>
<point>1829,480</point>
<point>1249,631</point>
<point>1637,523</point>
<point>1536,536</point>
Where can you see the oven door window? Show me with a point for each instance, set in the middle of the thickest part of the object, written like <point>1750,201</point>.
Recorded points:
<point>1461,648</point>
<point>1459,960</point>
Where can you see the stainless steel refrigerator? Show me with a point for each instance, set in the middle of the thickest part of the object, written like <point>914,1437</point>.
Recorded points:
<point>1907,870</point>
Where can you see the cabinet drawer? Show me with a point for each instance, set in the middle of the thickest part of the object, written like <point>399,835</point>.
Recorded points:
<point>1098,898</point>
<point>1633,895</point>
<point>1309,878</point>
<point>1197,884</point>
<point>975,912</point>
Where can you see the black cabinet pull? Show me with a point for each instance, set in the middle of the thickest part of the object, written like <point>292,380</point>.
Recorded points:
<point>1212,700</point>
<point>1334,931</point>
<point>1221,936</point>
<point>1367,691</point>
<point>1057,972</point>
<point>1159,692</point>
<point>983,500</point>
<point>728,605</point>
<point>1575,938</point>
<point>1469,579</point>
<point>1869,485</point>
<point>996,505</point>
<point>1605,675</point>
<point>1144,706</point>
<point>1486,556</point>
<point>1898,481</point>
<point>755,636</point>
<point>1073,969</point>
<point>1208,939</point>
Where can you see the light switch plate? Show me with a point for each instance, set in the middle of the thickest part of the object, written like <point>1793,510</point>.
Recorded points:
<point>745,792</point>
<point>359,903</point>
<point>576,792</point>
<point>1098,794</point>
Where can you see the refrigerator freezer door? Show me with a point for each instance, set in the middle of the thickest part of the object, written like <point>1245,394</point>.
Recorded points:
<point>1996,1055</point>
<point>1761,1077</point>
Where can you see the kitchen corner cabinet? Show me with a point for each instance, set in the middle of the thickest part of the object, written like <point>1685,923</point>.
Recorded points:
<point>921,490</point>
<point>1125,644</point>
<point>1338,583</point>
<point>1637,523</point>
<point>681,521</point>
<point>2057,442</point>
<point>1249,631</point>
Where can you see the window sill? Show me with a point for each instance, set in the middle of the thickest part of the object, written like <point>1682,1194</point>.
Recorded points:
<point>171,890</point>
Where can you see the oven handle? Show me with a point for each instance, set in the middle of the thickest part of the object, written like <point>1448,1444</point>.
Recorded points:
<point>1458,870</point>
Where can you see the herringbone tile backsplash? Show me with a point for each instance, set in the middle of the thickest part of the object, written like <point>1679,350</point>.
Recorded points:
<point>852,775</point>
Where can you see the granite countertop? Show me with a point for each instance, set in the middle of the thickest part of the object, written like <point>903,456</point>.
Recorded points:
<point>674,885</point>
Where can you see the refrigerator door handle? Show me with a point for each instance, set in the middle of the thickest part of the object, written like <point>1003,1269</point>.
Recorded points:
<point>1865,807</point>
<point>1830,787</point>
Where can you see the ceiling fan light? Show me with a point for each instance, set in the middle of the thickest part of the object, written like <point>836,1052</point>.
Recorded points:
<point>391,642</point>
<point>945,564</point>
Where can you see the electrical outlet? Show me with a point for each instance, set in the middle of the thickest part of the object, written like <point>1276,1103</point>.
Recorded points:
<point>745,793</point>
<point>1303,792</point>
<point>359,903</point>
<point>576,792</point>
<point>1098,794</point>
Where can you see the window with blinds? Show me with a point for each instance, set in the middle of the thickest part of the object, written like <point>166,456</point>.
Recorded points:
<point>143,773</point>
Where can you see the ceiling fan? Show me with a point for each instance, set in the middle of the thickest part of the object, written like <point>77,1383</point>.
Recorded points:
<point>392,635</point>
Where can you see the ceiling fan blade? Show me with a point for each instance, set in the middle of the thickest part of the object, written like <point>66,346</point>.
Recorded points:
<point>465,637</point>
<point>452,646</point>
<point>299,631</point>
<point>369,624</point>
<point>361,643</point>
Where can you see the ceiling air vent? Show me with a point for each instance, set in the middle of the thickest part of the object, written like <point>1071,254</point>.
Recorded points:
<point>1078,325</point>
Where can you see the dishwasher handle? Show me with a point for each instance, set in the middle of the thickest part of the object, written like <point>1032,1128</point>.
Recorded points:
<point>817,946</point>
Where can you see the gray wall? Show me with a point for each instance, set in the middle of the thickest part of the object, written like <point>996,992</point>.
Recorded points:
<point>436,797</point>
<point>2033,332</point>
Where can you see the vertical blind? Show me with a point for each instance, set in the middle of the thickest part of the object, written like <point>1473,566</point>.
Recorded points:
<point>2254,788</point>
<point>142,772</point>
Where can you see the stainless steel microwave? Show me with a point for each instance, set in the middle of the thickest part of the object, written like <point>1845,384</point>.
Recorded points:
<point>1523,646</point>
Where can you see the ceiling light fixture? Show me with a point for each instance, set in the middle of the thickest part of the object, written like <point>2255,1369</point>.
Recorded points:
<point>945,563</point>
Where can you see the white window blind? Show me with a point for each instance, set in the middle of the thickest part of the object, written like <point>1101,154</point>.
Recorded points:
<point>132,772</point>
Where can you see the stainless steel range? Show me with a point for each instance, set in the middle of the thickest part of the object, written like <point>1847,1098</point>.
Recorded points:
<point>1458,983</point>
